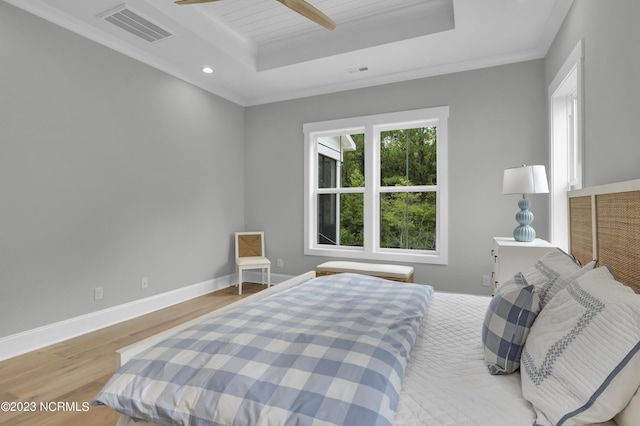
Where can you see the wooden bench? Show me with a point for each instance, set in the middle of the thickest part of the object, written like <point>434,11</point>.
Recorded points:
<point>389,272</point>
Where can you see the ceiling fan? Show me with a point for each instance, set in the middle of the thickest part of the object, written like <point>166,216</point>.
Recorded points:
<point>300,6</point>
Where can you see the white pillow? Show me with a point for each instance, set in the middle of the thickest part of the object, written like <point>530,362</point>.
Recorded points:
<point>581,361</point>
<point>553,272</point>
<point>630,416</point>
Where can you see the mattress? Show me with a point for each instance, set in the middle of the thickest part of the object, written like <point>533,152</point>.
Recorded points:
<point>446,381</point>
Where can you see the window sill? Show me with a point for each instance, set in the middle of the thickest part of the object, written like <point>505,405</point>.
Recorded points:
<point>388,255</point>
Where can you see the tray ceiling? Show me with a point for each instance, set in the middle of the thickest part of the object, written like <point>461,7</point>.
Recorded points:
<point>261,51</point>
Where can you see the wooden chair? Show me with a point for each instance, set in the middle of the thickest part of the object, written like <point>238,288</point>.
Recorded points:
<point>250,255</point>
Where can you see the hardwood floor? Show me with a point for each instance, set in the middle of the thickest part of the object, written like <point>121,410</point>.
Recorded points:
<point>75,370</point>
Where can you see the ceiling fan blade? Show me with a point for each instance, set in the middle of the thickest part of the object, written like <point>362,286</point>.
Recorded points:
<point>194,1</point>
<point>309,12</point>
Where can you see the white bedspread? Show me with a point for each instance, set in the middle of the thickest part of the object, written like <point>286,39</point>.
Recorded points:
<point>447,382</point>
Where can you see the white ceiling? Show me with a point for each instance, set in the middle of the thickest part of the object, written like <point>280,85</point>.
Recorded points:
<point>263,52</point>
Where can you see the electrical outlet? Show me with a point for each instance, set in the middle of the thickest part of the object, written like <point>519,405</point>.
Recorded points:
<point>144,282</point>
<point>486,281</point>
<point>280,263</point>
<point>98,293</point>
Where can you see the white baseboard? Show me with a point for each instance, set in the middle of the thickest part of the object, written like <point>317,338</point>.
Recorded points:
<point>31,340</point>
<point>255,276</point>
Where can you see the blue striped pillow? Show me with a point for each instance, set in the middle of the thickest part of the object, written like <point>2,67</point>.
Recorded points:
<point>581,361</point>
<point>510,315</point>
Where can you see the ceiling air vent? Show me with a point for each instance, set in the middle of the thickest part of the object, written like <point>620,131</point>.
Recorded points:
<point>133,22</point>
<point>357,69</point>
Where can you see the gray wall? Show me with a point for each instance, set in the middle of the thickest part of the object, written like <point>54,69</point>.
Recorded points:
<point>611,37</point>
<point>109,171</point>
<point>496,121</point>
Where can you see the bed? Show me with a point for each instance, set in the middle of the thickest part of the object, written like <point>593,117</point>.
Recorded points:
<point>431,367</point>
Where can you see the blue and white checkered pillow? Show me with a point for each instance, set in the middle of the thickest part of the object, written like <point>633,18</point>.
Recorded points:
<point>510,315</point>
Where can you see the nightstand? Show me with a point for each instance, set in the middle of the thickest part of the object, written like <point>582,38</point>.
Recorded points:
<point>511,257</point>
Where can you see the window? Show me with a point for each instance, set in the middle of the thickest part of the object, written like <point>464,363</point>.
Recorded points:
<point>376,187</point>
<point>565,106</point>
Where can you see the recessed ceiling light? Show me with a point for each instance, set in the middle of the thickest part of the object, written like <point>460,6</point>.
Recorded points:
<point>207,70</point>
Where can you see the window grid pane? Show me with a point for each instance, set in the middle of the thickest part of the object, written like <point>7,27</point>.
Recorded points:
<point>352,220</point>
<point>327,168</point>
<point>408,220</point>
<point>327,226</point>
<point>408,157</point>
<point>341,219</point>
<point>352,167</point>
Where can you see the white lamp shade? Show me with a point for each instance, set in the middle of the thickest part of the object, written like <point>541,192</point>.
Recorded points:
<point>525,180</point>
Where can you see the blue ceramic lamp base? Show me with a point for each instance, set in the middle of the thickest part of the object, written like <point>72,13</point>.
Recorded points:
<point>524,232</point>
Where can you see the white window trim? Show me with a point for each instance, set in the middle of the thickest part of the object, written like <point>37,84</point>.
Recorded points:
<point>371,126</point>
<point>566,164</point>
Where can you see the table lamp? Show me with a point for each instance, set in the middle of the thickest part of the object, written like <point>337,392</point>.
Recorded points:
<point>525,180</point>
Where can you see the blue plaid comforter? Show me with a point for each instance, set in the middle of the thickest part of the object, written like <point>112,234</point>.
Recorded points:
<point>330,351</point>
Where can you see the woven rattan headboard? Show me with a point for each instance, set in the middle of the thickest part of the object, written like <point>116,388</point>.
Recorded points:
<point>604,224</point>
